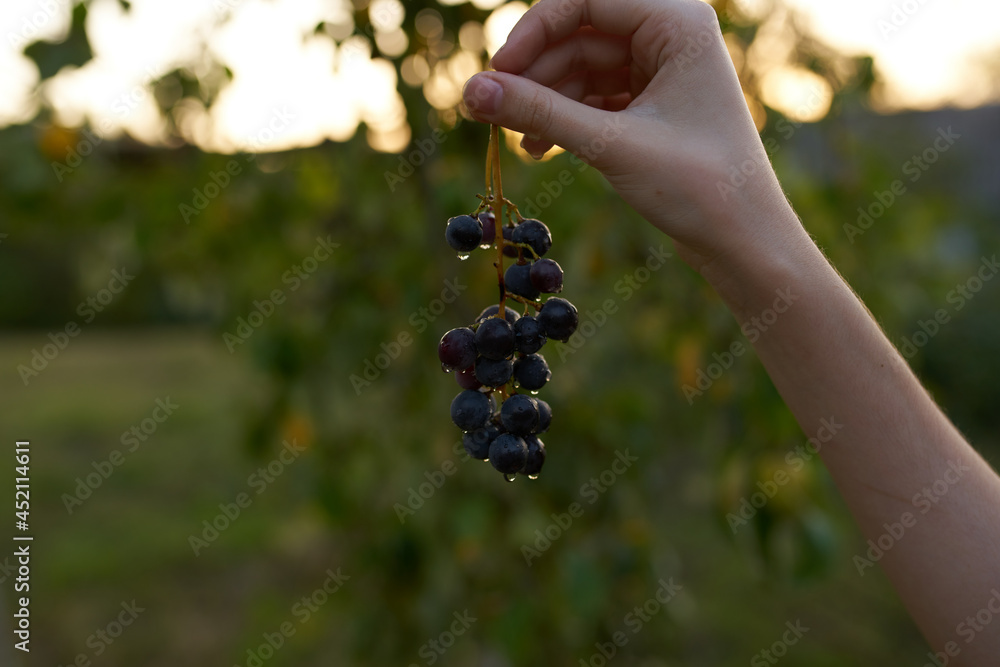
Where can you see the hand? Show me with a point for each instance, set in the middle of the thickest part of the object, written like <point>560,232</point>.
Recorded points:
<point>644,91</point>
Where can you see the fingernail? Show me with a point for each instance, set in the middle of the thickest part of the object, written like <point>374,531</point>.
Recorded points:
<point>499,51</point>
<point>483,95</point>
<point>535,154</point>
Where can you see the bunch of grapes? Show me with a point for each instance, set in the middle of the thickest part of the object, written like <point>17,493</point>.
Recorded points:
<point>496,359</point>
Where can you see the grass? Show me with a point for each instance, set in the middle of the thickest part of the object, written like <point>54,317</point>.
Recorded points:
<point>130,541</point>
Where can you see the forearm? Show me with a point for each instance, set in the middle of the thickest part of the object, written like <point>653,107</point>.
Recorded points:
<point>891,444</point>
<point>682,127</point>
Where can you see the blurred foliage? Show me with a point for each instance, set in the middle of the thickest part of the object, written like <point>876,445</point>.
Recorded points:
<point>211,238</point>
<point>74,51</point>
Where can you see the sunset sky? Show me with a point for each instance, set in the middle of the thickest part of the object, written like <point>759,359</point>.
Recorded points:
<point>294,89</point>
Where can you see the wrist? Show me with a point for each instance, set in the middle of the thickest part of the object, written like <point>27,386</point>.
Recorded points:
<point>767,250</point>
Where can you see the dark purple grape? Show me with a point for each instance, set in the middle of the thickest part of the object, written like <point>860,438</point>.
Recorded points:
<point>477,443</point>
<point>493,373</point>
<point>535,234</point>
<point>489,222</point>
<point>544,416</point>
<point>547,276</point>
<point>508,453</point>
<point>536,456</point>
<point>457,349</point>
<point>532,372</point>
<point>509,314</point>
<point>464,233</point>
<point>509,250</point>
<point>517,280</point>
<point>471,409</point>
<point>529,335</point>
<point>519,414</point>
<point>466,379</point>
<point>495,338</point>
<point>559,318</point>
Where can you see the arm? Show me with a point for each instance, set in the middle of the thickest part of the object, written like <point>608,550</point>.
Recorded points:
<point>613,82</point>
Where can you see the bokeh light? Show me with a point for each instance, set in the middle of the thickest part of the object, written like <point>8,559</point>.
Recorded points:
<point>275,60</point>
<point>499,25</point>
<point>252,140</point>
<point>801,95</point>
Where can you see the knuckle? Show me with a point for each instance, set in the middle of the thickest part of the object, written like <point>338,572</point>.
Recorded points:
<point>539,114</point>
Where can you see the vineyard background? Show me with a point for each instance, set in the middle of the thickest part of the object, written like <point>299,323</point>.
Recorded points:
<point>373,221</point>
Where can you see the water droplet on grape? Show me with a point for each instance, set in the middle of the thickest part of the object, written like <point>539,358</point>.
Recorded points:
<point>463,256</point>
<point>445,368</point>
<point>532,476</point>
<point>534,392</point>
<point>486,246</point>
<point>508,477</point>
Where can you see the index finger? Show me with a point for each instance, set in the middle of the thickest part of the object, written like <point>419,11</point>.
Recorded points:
<point>551,20</point>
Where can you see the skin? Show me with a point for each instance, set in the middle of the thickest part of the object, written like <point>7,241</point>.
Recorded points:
<point>645,92</point>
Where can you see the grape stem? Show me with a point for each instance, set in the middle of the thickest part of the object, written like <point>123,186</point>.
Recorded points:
<point>489,163</point>
<point>494,190</point>
<point>496,195</point>
<point>511,207</point>
<point>527,302</point>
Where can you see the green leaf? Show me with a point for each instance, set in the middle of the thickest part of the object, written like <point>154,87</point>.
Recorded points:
<point>74,50</point>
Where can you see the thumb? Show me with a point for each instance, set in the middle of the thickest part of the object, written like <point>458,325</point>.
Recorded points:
<point>539,112</point>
